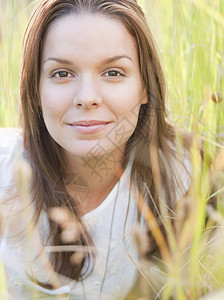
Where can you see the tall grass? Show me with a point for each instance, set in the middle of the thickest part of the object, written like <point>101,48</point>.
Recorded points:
<point>13,19</point>
<point>190,35</point>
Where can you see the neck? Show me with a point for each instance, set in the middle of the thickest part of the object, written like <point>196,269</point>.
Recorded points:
<point>93,179</point>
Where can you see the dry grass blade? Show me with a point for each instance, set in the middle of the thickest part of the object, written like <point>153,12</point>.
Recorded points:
<point>3,285</point>
<point>153,226</point>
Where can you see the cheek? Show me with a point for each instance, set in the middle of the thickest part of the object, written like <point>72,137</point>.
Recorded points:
<point>54,101</point>
<point>125,105</point>
<point>126,101</point>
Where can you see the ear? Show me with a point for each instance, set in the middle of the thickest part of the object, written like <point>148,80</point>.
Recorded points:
<point>144,97</point>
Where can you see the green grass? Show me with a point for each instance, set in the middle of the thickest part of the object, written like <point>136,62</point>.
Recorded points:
<point>14,17</point>
<point>190,35</point>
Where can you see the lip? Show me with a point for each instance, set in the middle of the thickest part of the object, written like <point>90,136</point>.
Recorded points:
<point>89,126</point>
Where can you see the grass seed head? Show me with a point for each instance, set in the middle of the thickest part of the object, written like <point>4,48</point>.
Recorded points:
<point>77,257</point>
<point>217,97</point>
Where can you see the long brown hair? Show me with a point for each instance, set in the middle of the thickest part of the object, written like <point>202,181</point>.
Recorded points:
<point>152,139</point>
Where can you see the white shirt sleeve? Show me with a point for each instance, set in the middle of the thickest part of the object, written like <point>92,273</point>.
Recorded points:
<point>10,151</point>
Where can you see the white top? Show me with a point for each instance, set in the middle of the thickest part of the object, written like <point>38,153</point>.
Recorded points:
<point>115,268</point>
<point>116,253</point>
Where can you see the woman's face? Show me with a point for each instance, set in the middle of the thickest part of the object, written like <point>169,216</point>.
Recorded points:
<point>90,85</point>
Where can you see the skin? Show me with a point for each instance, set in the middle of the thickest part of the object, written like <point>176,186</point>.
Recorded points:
<point>91,91</point>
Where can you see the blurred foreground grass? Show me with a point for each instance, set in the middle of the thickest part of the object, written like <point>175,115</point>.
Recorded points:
<point>190,35</point>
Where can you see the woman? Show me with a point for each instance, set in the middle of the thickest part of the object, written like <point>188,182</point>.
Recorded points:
<point>95,134</point>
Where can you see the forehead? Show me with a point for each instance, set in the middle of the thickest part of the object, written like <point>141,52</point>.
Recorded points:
<point>88,32</point>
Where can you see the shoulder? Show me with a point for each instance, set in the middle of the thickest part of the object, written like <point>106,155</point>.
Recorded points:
<point>11,145</point>
<point>10,138</point>
<point>11,149</point>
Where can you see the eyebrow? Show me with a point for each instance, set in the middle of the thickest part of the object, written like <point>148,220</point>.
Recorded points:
<point>115,58</point>
<point>105,61</point>
<point>59,60</point>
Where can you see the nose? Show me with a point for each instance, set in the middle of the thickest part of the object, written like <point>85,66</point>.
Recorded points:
<point>87,94</point>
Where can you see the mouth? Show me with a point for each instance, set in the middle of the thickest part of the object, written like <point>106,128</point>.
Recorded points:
<point>89,127</point>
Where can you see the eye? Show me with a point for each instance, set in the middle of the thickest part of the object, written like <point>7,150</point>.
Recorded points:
<point>61,74</point>
<point>113,73</point>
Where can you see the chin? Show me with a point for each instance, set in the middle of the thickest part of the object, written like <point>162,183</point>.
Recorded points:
<point>94,149</point>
